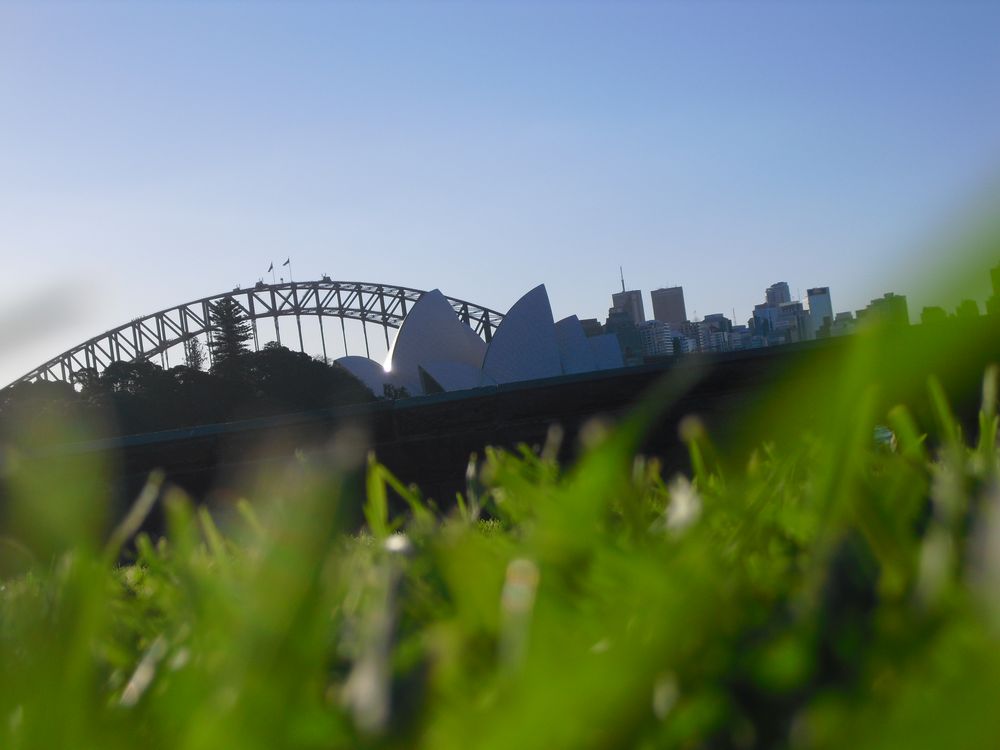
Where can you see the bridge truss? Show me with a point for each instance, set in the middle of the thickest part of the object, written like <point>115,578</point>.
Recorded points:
<point>152,336</point>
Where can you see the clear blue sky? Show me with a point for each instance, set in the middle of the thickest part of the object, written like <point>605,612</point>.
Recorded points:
<point>152,153</point>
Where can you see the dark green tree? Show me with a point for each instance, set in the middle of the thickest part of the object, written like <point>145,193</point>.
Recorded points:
<point>292,381</point>
<point>231,331</point>
<point>194,354</point>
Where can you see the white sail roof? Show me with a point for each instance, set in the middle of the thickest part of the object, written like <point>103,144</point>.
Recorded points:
<point>524,346</point>
<point>369,372</point>
<point>434,351</point>
<point>431,332</point>
<point>607,351</point>
<point>575,353</point>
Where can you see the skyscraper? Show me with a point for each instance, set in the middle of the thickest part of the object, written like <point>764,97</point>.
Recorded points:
<point>778,293</point>
<point>631,302</point>
<point>820,306</point>
<point>668,306</point>
<point>657,338</point>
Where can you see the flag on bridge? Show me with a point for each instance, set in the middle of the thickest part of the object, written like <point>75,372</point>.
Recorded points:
<point>270,267</point>
<point>287,261</point>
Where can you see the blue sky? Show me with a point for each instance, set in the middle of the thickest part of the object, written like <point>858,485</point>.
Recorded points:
<point>152,153</point>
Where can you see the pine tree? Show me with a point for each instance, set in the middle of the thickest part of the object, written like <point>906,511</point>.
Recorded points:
<point>194,354</point>
<point>231,331</point>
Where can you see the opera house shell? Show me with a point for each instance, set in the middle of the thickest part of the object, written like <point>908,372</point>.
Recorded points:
<point>434,351</point>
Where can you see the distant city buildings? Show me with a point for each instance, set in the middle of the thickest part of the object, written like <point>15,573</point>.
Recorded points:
<point>714,333</point>
<point>742,338</point>
<point>820,309</point>
<point>777,320</point>
<point>668,305</point>
<point>890,308</point>
<point>631,302</point>
<point>621,323</point>
<point>777,294</point>
<point>591,327</point>
<point>843,324</point>
<point>657,338</point>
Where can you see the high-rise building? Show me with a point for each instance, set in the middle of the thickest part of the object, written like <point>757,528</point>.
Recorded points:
<point>777,293</point>
<point>741,338</point>
<point>820,307</point>
<point>890,307</point>
<point>657,338</point>
<point>631,302</point>
<point>843,324</point>
<point>591,327</point>
<point>782,323</point>
<point>620,323</point>
<point>719,322</point>
<point>716,330</point>
<point>668,305</point>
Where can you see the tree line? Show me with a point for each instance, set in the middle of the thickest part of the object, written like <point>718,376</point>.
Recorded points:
<point>141,396</point>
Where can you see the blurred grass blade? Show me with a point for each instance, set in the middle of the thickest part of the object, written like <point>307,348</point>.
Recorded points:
<point>136,515</point>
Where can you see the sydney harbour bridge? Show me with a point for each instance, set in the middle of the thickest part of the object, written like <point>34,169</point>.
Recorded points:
<point>153,337</point>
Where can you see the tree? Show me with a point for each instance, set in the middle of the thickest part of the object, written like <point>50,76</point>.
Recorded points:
<point>292,381</point>
<point>194,354</point>
<point>231,331</point>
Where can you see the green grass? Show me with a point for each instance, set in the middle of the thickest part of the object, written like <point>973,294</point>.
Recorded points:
<point>831,592</point>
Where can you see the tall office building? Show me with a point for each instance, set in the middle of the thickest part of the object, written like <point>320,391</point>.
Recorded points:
<point>820,307</point>
<point>777,294</point>
<point>620,323</point>
<point>668,306</point>
<point>630,302</point>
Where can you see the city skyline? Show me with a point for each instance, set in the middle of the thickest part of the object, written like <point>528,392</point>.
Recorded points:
<point>159,153</point>
<point>777,321</point>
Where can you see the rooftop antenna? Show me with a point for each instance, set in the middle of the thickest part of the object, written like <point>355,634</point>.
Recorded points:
<point>622,274</point>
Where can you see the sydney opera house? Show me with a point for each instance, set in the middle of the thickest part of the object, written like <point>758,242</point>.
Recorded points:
<point>435,351</point>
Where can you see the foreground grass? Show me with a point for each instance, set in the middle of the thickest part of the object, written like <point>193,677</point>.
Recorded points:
<point>836,591</point>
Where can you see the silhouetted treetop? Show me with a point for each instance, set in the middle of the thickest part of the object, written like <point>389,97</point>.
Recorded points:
<point>136,397</point>
<point>194,354</point>
<point>230,333</point>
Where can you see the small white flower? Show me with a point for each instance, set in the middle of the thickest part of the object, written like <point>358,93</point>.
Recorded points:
<point>685,504</point>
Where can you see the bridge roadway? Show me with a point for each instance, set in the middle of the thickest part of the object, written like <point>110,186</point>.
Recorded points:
<point>428,440</point>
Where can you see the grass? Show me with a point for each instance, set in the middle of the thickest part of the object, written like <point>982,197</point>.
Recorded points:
<point>826,590</point>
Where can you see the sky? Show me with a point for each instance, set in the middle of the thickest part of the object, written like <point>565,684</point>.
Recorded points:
<point>153,153</point>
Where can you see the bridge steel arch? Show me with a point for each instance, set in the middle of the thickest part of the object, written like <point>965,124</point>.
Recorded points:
<point>384,305</point>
